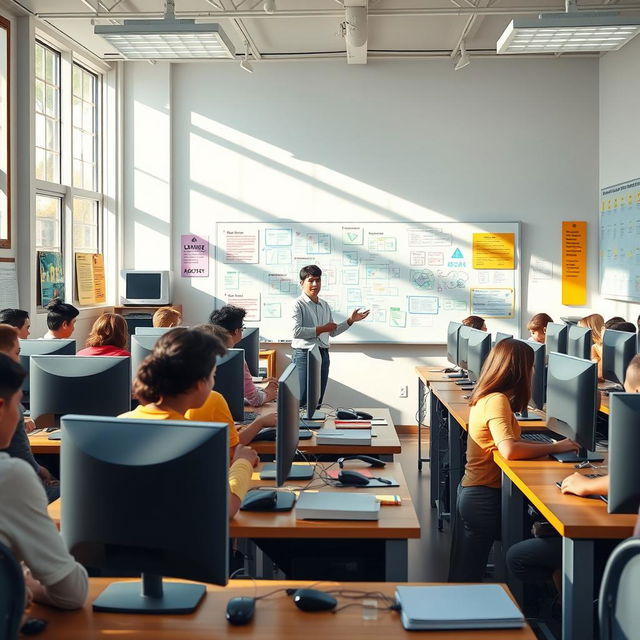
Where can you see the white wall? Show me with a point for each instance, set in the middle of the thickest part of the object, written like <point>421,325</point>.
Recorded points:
<point>502,140</point>
<point>620,131</point>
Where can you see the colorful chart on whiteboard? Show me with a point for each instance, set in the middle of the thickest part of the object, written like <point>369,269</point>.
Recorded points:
<point>414,277</point>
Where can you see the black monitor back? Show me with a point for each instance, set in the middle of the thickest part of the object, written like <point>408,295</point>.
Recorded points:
<point>452,342</point>
<point>250,342</point>
<point>139,496</point>
<point>30,348</point>
<point>288,427</point>
<point>624,445</point>
<point>539,375</point>
<point>94,385</point>
<point>556,338</point>
<point>618,349</point>
<point>478,348</point>
<point>230,381</point>
<point>579,342</point>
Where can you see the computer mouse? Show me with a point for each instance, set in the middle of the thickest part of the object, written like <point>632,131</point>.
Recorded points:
<point>240,610</point>
<point>348,476</point>
<point>347,414</point>
<point>33,626</point>
<point>314,600</point>
<point>268,434</point>
<point>374,462</point>
<point>259,500</point>
<point>363,415</point>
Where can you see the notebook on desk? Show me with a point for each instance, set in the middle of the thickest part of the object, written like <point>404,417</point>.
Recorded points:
<point>347,437</point>
<point>477,606</point>
<point>324,505</point>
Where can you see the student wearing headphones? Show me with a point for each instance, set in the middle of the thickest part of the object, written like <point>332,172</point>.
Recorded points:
<point>177,376</point>
<point>61,320</point>
<point>503,388</point>
<point>52,576</point>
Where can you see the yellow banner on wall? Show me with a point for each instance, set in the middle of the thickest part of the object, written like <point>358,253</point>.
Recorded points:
<point>90,279</point>
<point>574,262</point>
<point>494,251</point>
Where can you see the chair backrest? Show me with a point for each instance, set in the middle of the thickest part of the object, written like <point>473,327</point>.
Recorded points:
<point>618,607</point>
<point>12,594</point>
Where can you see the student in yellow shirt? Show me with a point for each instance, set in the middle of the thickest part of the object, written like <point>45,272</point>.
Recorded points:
<point>216,409</point>
<point>504,387</point>
<point>178,375</point>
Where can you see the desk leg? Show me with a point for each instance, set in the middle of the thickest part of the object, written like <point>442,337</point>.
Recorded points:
<point>434,447</point>
<point>513,530</point>
<point>421,387</point>
<point>455,464</point>
<point>577,589</point>
<point>396,560</point>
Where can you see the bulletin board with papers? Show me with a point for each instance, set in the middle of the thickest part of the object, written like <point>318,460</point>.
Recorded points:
<point>415,277</point>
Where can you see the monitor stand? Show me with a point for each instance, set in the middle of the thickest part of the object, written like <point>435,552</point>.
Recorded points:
<point>582,456</point>
<point>318,415</point>
<point>297,472</point>
<point>151,595</point>
<point>525,416</point>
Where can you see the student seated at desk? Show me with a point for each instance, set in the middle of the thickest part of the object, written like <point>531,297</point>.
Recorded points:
<point>216,409</point>
<point>19,319</point>
<point>539,559</point>
<point>614,320</point>
<point>61,320</point>
<point>538,327</point>
<point>19,446</point>
<point>232,319</point>
<point>504,386</point>
<point>595,322</point>
<point>52,576</point>
<point>177,376</point>
<point>167,317</point>
<point>108,337</point>
<point>623,326</point>
<point>475,322</point>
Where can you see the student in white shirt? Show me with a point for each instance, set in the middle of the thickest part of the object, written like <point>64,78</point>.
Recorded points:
<point>54,578</point>
<point>313,324</point>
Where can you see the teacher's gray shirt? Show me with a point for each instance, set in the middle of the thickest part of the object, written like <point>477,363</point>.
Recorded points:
<point>307,315</point>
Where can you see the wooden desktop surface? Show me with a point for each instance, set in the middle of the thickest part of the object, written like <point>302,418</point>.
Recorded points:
<point>396,522</point>
<point>572,516</point>
<point>386,440</point>
<point>275,618</point>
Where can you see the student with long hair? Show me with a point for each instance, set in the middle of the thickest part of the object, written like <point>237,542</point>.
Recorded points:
<point>503,388</point>
<point>595,322</point>
<point>177,376</point>
<point>108,337</point>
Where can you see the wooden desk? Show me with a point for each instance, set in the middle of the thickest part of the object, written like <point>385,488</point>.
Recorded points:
<point>275,618</point>
<point>580,521</point>
<point>397,524</point>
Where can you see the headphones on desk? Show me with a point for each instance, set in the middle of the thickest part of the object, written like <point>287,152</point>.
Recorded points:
<point>374,462</point>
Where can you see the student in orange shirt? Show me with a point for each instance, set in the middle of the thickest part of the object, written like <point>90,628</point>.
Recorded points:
<point>504,387</point>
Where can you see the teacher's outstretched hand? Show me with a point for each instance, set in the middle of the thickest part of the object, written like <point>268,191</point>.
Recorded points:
<point>357,315</point>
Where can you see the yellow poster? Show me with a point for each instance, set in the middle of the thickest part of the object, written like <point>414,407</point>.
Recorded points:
<point>90,278</point>
<point>574,262</point>
<point>494,251</point>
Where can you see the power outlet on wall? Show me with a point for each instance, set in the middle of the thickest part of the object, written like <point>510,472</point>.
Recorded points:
<point>404,391</point>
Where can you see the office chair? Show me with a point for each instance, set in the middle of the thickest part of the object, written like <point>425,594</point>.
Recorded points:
<point>12,593</point>
<point>618,609</point>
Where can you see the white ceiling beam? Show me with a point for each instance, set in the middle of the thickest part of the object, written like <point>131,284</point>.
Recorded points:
<point>241,28</point>
<point>356,31</point>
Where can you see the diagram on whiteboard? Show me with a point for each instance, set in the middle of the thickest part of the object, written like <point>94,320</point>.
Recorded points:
<point>414,277</point>
<point>620,241</point>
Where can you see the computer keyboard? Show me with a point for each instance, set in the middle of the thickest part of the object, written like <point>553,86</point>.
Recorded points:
<point>536,437</point>
<point>249,416</point>
<point>594,475</point>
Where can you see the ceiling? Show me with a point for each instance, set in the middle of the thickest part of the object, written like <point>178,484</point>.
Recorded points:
<point>312,28</point>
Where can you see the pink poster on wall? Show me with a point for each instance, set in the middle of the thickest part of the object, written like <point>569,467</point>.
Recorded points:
<point>194,256</point>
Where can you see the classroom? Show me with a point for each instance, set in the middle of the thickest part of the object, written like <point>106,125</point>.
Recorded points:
<point>386,142</point>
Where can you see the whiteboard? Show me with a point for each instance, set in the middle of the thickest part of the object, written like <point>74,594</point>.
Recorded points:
<point>414,276</point>
<point>620,241</point>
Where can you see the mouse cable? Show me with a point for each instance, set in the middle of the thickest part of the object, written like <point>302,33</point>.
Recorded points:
<point>393,607</point>
<point>354,594</point>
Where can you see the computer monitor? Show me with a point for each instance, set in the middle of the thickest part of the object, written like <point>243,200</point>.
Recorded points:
<point>95,385</point>
<point>30,348</point>
<point>579,342</point>
<point>538,381</point>
<point>478,348</point>
<point>144,497</point>
<point>452,342</point>
<point>230,381</point>
<point>572,404</point>
<point>556,338</point>
<point>250,342</point>
<point>152,331</point>
<point>624,444</point>
<point>463,345</point>
<point>618,349</point>
<point>287,437</point>
<point>502,336</point>
<point>314,379</point>
<point>141,347</point>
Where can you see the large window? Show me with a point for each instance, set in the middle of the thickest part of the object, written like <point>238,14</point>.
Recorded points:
<point>67,156</point>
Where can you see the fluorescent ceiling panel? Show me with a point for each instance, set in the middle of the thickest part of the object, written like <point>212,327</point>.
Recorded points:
<point>568,33</point>
<point>167,39</point>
